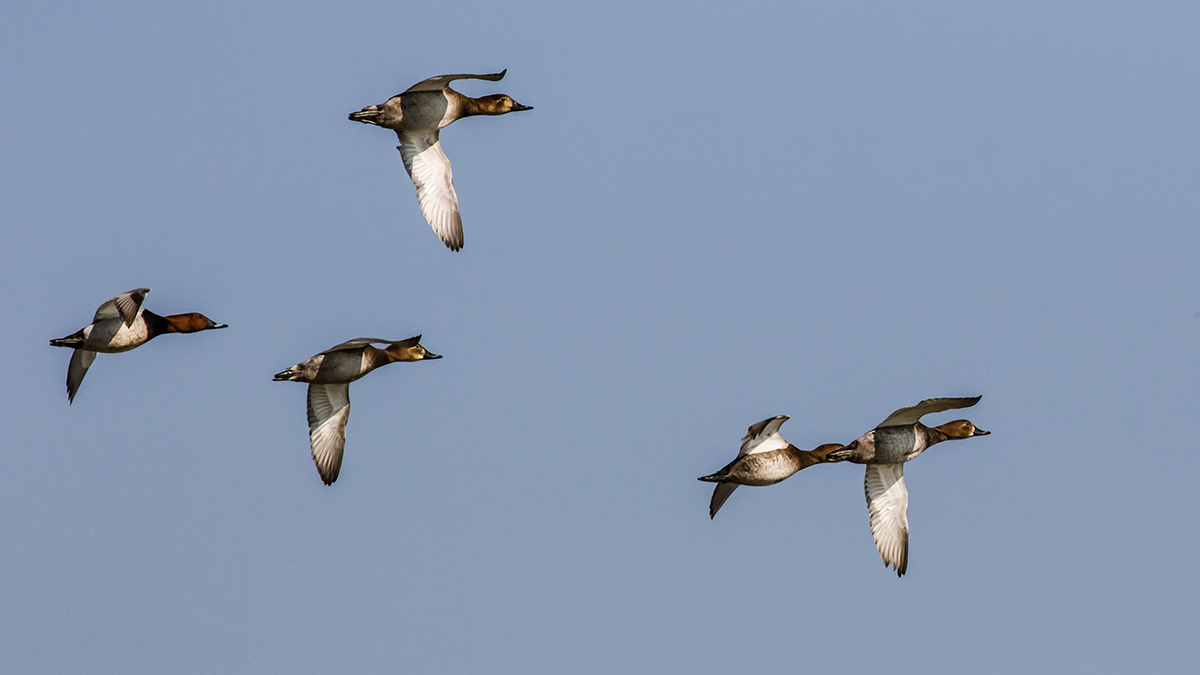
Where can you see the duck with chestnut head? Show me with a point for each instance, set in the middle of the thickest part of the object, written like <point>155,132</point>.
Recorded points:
<point>329,375</point>
<point>119,325</point>
<point>417,115</point>
<point>764,459</point>
<point>885,449</point>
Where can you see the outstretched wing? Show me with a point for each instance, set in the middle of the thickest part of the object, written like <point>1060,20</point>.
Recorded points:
<point>328,411</point>
<point>430,171</point>
<point>887,502</point>
<point>125,305</point>
<point>81,360</point>
<point>442,81</point>
<point>764,436</point>
<point>906,416</point>
<point>364,341</point>
<point>720,494</point>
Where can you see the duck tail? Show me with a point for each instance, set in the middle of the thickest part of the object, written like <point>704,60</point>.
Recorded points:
<point>368,115</point>
<point>291,374</point>
<point>712,478</point>
<point>69,341</point>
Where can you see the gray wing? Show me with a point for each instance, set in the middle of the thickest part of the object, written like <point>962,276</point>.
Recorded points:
<point>81,360</point>
<point>907,416</point>
<point>125,305</point>
<point>358,343</point>
<point>720,494</point>
<point>328,412</point>
<point>887,502</point>
<point>430,171</point>
<point>442,81</point>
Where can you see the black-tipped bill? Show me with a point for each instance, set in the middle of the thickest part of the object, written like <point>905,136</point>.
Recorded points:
<point>212,325</point>
<point>981,432</point>
<point>431,355</point>
<point>517,106</point>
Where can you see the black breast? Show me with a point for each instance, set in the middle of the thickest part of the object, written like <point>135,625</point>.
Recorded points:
<point>155,324</point>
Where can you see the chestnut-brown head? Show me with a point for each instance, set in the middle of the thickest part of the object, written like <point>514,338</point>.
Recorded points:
<point>960,429</point>
<point>410,350</point>
<point>821,452</point>
<point>192,322</point>
<point>498,104</point>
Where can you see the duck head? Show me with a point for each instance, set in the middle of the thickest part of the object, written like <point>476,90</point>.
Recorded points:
<point>499,104</point>
<point>410,350</point>
<point>192,322</point>
<point>961,429</point>
<point>822,452</point>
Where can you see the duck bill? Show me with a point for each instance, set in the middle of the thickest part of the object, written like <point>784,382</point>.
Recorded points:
<point>981,432</point>
<point>431,355</point>
<point>517,106</point>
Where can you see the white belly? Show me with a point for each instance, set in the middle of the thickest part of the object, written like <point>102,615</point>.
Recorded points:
<point>112,335</point>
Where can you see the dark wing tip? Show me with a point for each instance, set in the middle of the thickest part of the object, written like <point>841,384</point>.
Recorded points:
<point>410,342</point>
<point>757,428</point>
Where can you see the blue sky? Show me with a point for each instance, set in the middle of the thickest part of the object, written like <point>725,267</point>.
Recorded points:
<point>713,215</point>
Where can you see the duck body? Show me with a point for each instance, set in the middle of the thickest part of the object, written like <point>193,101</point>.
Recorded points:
<point>416,112</point>
<point>762,468</point>
<point>329,375</point>
<point>885,449</point>
<point>119,325</point>
<point>342,366</point>
<point>417,116</point>
<point>765,458</point>
<point>110,336</point>
<point>891,445</point>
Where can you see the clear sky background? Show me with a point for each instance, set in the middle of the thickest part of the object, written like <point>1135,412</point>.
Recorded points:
<point>715,213</point>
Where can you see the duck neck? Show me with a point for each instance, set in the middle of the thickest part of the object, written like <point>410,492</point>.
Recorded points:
<point>157,325</point>
<point>469,108</point>
<point>818,455</point>
<point>933,435</point>
<point>376,357</point>
<point>805,458</point>
<point>463,106</point>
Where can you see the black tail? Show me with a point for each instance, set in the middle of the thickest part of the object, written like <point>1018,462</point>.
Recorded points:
<point>291,374</point>
<point>368,115</point>
<point>69,341</point>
